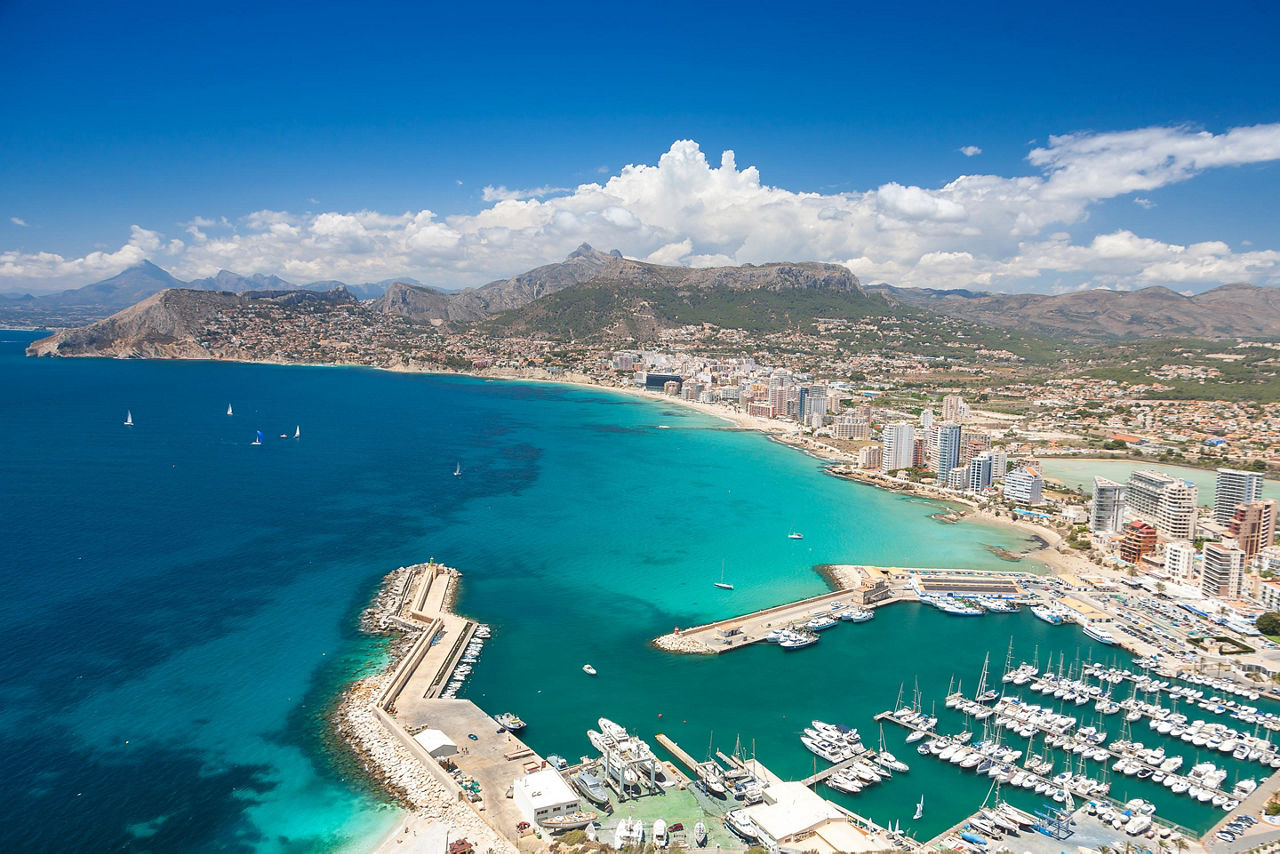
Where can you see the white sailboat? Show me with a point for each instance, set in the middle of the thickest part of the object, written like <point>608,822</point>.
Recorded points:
<point>128,418</point>
<point>795,535</point>
<point>258,440</point>
<point>457,471</point>
<point>722,584</point>
<point>919,809</point>
<point>229,410</point>
<point>297,432</point>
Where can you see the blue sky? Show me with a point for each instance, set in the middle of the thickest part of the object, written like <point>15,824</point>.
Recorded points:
<point>322,132</point>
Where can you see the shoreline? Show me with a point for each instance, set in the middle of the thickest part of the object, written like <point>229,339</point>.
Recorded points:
<point>390,766</point>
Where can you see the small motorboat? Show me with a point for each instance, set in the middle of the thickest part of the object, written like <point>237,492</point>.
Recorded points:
<point>589,670</point>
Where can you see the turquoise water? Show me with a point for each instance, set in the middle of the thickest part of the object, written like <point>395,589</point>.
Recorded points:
<point>1079,474</point>
<point>181,606</point>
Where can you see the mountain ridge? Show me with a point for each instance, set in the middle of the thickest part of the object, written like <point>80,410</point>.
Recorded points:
<point>1235,310</point>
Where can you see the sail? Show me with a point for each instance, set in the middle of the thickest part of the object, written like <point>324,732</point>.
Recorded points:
<point>229,412</point>
<point>259,440</point>
<point>128,417</point>
<point>297,432</point>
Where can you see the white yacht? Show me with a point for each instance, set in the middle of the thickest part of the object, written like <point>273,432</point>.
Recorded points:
<point>1099,634</point>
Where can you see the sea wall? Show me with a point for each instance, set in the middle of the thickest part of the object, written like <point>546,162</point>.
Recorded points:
<point>386,751</point>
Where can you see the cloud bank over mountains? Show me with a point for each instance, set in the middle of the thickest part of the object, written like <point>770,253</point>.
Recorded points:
<point>986,232</point>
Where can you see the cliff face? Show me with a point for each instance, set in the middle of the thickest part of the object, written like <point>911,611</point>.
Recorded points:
<point>169,324</point>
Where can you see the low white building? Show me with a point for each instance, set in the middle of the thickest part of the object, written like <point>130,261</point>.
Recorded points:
<point>796,818</point>
<point>435,742</point>
<point>543,794</point>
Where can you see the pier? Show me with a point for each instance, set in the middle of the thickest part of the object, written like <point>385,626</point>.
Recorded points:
<point>746,629</point>
<point>832,770</point>
<point>678,752</point>
<point>862,586</point>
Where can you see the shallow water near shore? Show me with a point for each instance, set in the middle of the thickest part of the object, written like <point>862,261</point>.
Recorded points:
<point>181,606</point>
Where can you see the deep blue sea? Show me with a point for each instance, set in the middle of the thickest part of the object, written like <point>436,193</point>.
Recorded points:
<point>180,606</point>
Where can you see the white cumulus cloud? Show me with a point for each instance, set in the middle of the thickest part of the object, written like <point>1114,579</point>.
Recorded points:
<point>970,151</point>
<point>981,231</point>
<point>17,220</point>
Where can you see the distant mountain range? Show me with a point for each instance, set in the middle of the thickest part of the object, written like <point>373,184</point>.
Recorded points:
<point>591,292</point>
<point>100,299</point>
<point>1230,311</point>
<point>594,295</point>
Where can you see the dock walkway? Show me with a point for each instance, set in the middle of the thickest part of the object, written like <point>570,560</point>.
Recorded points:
<point>746,629</point>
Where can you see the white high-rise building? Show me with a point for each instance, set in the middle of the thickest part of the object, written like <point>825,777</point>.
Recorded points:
<point>980,469</point>
<point>1176,518</point>
<point>816,403</point>
<point>999,463</point>
<point>946,454</point>
<point>1165,502</point>
<point>1179,559</point>
<point>1234,487</point>
<point>958,478</point>
<point>1142,495</point>
<point>1223,572</point>
<point>926,420</point>
<point>1106,508</point>
<point>898,443</point>
<point>1023,486</point>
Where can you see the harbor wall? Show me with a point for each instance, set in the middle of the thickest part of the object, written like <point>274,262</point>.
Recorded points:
<point>408,666</point>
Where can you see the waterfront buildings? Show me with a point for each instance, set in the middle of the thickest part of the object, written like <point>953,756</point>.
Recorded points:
<point>1222,574</point>
<point>1179,560</point>
<point>981,472</point>
<point>1253,525</point>
<point>781,388</point>
<point>946,451</point>
<point>1143,493</point>
<point>869,457</point>
<point>1023,486</point>
<point>999,463</point>
<point>1234,487</point>
<point>897,446</point>
<point>1176,518</point>
<point>1106,508</point>
<point>1139,539</point>
<point>850,427</point>
<point>1165,502</point>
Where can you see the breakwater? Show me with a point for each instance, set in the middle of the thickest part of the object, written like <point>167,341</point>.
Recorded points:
<point>387,750</point>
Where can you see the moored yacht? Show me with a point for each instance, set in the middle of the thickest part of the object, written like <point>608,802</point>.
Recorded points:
<point>1047,614</point>
<point>510,721</point>
<point>1099,634</point>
